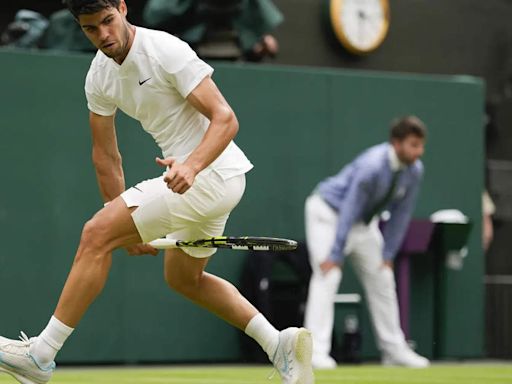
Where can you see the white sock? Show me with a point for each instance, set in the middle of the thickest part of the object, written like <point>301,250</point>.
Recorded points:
<point>264,333</point>
<point>50,341</point>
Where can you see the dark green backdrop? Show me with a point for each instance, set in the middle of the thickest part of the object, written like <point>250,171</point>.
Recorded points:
<point>297,126</point>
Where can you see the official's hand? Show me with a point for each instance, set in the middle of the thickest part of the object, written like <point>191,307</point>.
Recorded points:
<point>326,266</point>
<point>180,177</point>
<point>141,249</point>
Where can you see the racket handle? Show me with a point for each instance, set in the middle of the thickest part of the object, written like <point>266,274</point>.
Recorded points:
<point>163,243</point>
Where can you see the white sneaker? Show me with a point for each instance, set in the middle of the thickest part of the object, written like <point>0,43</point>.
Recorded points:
<point>405,358</point>
<point>292,358</point>
<point>15,359</point>
<point>323,362</point>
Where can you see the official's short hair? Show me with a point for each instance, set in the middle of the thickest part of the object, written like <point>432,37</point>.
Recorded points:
<point>87,7</point>
<point>406,126</point>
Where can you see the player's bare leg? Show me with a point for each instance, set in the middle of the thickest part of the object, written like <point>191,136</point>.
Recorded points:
<point>30,361</point>
<point>185,274</point>
<point>289,350</point>
<point>109,229</point>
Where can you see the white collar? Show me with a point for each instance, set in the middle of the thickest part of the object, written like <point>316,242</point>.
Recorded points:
<point>394,161</point>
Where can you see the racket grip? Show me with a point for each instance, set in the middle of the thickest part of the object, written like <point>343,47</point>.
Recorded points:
<point>163,243</point>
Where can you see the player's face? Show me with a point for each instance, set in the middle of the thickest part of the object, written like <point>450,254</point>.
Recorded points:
<point>409,149</point>
<point>109,31</point>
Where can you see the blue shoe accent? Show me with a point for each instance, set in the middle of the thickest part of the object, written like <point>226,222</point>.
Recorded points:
<point>50,368</point>
<point>283,356</point>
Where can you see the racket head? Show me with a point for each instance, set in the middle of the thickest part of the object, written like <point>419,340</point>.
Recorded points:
<point>251,243</point>
<point>254,243</point>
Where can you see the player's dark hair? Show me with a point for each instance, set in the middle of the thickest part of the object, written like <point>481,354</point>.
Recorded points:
<point>406,126</point>
<point>87,7</point>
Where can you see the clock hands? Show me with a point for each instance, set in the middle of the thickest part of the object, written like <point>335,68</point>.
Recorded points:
<point>360,25</point>
<point>362,17</point>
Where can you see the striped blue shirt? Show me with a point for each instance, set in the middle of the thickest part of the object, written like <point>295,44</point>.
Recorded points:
<point>361,185</point>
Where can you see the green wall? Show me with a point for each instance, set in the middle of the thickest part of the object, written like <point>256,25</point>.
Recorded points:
<point>297,126</point>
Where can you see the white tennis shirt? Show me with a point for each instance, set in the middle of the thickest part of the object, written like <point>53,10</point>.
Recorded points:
<point>151,85</point>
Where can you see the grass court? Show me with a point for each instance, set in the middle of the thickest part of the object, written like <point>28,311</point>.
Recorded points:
<point>478,373</point>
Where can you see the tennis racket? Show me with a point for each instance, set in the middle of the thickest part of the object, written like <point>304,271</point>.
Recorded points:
<point>243,243</point>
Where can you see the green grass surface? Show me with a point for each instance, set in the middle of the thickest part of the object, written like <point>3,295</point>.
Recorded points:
<point>367,374</point>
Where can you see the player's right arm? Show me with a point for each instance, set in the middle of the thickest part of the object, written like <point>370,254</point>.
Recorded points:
<point>106,156</point>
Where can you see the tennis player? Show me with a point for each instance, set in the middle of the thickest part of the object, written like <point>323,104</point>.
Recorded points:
<point>157,79</point>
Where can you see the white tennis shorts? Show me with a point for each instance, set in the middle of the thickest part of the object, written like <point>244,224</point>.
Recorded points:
<point>200,212</point>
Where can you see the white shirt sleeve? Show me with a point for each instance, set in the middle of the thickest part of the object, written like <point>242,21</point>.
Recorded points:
<point>96,101</point>
<point>182,68</point>
<point>188,78</point>
<point>488,206</point>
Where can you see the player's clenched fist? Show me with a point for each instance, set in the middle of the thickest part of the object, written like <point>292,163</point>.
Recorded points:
<point>179,177</point>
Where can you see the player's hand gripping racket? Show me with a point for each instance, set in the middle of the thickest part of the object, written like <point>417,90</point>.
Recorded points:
<point>243,243</point>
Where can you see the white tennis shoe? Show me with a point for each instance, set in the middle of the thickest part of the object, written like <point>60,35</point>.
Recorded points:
<point>15,359</point>
<point>321,361</point>
<point>292,358</point>
<point>405,357</point>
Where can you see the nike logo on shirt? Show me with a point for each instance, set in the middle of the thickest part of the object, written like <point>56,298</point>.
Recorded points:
<point>143,81</point>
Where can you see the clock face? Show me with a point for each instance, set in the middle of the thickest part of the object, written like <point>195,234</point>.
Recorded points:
<point>360,25</point>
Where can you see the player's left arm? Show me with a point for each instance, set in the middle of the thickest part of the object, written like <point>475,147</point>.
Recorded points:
<point>208,100</point>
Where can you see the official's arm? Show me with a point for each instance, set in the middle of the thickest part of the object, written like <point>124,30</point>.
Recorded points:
<point>351,211</point>
<point>401,213</point>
